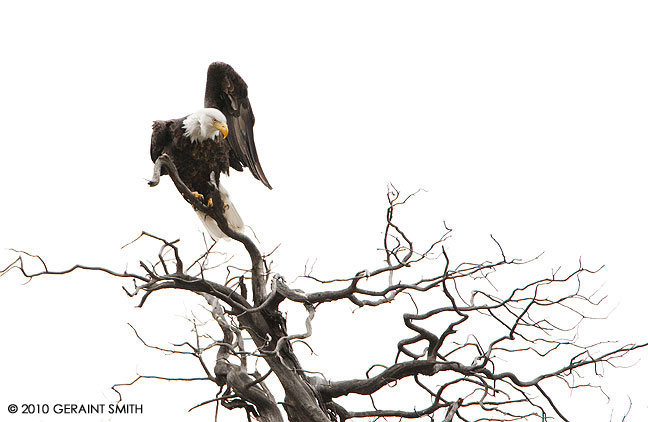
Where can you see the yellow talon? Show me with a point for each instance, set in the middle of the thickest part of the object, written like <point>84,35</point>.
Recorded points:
<point>197,195</point>
<point>210,203</point>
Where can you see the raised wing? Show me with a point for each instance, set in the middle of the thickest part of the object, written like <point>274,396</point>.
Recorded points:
<point>227,92</point>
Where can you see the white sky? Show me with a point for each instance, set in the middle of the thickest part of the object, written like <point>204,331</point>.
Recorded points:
<point>526,120</point>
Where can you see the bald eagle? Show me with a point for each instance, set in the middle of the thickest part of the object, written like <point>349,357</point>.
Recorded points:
<point>212,140</point>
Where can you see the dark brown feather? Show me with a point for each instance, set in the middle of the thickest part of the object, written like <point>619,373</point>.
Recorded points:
<point>227,92</point>
<point>194,160</point>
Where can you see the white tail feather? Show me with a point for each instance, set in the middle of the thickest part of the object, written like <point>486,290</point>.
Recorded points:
<point>232,216</point>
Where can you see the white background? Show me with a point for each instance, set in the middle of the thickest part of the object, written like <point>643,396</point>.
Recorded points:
<point>526,120</point>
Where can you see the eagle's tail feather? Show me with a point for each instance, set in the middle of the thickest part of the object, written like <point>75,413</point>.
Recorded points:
<point>231,215</point>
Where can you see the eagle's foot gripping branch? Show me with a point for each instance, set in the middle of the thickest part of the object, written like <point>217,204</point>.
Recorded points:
<point>199,196</point>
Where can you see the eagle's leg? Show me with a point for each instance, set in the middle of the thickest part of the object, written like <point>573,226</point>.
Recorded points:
<point>214,185</point>
<point>199,196</point>
<point>212,180</point>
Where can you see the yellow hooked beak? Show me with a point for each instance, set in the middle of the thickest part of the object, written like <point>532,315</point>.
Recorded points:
<point>222,127</point>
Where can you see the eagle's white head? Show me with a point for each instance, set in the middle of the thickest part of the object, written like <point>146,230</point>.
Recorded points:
<point>205,124</point>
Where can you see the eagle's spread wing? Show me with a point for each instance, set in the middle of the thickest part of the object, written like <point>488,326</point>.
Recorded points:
<point>227,92</point>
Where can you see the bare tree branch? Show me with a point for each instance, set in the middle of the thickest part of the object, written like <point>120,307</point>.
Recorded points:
<point>468,333</point>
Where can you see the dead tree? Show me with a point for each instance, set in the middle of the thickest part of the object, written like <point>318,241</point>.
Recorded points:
<point>464,367</point>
